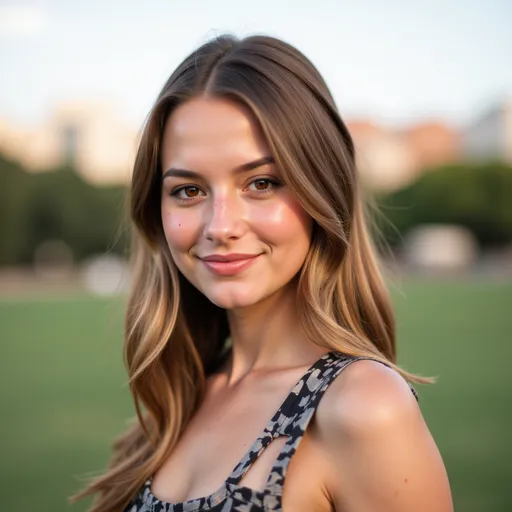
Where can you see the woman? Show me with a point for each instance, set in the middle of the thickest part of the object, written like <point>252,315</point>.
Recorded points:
<point>260,339</point>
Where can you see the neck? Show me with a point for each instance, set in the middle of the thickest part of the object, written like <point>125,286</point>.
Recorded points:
<point>268,335</point>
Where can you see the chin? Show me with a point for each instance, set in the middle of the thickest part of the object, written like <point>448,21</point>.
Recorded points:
<point>233,299</point>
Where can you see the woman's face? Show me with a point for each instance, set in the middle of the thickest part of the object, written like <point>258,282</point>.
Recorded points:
<point>234,230</point>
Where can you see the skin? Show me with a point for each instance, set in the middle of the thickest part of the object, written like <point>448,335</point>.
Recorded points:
<point>367,447</point>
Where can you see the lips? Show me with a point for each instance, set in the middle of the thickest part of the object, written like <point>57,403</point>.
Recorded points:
<point>229,264</point>
<point>229,257</point>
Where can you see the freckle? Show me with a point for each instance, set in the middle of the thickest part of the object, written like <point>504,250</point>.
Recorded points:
<point>405,480</point>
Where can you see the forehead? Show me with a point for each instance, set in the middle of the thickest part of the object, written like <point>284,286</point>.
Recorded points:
<point>204,131</point>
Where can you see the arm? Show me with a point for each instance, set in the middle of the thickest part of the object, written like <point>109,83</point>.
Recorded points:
<point>380,451</point>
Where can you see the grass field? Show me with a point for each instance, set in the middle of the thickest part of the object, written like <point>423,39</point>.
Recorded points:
<point>63,394</point>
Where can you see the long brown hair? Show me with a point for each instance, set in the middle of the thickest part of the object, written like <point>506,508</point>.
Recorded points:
<point>174,336</point>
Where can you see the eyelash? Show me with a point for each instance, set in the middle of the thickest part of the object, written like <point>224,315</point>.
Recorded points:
<point>275,184</point>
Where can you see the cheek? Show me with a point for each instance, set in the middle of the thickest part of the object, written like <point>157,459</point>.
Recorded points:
<point>180,228</point>
<point>283,222</point>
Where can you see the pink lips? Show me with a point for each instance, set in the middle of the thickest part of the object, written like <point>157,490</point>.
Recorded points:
<point>229,264</point>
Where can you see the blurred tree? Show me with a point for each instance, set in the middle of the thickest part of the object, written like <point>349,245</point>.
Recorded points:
<point>14,211</point>
<point>477,196</point>
<point>57,205</point>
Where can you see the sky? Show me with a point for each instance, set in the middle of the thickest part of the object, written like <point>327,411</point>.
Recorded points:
<point>396,61</point>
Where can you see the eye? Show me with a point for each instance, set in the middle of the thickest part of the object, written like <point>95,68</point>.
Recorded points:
<point>187,192</point>
<point>263,185</point>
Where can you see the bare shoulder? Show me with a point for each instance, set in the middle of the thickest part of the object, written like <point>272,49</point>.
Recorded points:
<point>367,394</point>
<point>376,440</point>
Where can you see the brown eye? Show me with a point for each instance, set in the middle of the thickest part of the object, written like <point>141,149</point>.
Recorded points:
<point>261,184</point>
<point>264,185</point>
<point>187,192</point>
<point>191,191</point>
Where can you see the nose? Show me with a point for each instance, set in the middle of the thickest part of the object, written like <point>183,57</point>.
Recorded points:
<point>224,219</point>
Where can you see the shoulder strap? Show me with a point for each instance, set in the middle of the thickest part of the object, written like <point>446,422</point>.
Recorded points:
<point>286,414</point>
<point>296,427</point>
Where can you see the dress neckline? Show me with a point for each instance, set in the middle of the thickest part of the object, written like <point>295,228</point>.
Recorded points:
<point>230,484</point>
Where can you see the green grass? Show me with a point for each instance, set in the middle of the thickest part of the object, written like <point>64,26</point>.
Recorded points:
<point>64,394</point>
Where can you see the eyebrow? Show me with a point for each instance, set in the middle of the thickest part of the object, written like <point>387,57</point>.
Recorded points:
<point>249,166</point>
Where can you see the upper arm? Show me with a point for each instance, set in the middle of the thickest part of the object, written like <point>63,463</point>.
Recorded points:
<point>380,451</point>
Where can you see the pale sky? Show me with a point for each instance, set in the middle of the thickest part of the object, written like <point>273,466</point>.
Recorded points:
<point>393,60</point>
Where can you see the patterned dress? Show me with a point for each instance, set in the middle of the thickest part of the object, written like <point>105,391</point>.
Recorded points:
<point>291,420</point>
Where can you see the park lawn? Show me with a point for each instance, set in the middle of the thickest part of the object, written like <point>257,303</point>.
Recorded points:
<point>64,395</point>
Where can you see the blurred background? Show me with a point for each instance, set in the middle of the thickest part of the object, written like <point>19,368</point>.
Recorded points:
<point>426,91</point>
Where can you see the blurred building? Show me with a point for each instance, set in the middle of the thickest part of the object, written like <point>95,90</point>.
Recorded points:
<point>383,157</point>
<point>90,136</point>
<point>391,158</point>
<point>490,135</point>
<point>433,143</point>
